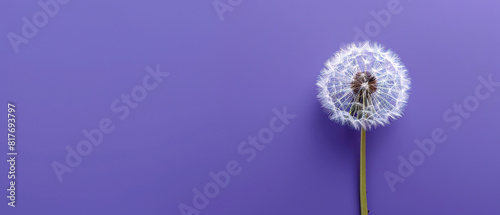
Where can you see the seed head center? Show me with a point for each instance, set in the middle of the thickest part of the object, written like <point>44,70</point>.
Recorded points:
<point>364,82</point>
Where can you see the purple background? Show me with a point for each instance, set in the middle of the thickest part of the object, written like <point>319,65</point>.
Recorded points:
<point>225,79</point>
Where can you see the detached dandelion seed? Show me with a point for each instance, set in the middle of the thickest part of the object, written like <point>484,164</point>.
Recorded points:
<point>364,86</point>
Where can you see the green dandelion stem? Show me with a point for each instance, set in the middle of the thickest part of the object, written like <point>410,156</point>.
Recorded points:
<point>362,174</point>
<point>362,169</point>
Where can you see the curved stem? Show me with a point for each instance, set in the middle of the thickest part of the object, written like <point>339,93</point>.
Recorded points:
<point>362,175</point>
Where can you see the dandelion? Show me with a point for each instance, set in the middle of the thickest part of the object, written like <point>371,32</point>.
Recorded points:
<point>364,86</point>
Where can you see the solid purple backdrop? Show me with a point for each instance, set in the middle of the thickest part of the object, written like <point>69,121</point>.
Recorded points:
<point>226,77</point>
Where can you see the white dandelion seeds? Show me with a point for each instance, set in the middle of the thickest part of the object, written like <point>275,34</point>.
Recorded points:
<point>364,86</point>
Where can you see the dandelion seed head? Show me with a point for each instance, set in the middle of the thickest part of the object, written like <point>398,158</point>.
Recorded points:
<point>364,85</point>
